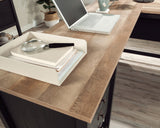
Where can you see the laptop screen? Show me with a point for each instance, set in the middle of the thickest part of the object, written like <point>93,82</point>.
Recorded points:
<point>72,10</point>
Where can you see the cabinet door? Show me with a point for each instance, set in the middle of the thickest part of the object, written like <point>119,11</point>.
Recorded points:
<point>6,15</point>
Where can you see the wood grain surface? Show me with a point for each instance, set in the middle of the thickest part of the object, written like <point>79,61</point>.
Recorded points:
<point>152,8</point>
<point>143,45</point>
<point>81,93</point>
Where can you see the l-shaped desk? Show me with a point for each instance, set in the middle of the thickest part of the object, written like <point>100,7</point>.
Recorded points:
<point>85,98</point>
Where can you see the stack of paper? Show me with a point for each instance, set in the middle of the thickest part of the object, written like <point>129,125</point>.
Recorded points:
<point>55,58</point>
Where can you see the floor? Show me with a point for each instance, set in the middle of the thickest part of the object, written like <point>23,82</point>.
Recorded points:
<point>1,124</point>
<point>136,102</point>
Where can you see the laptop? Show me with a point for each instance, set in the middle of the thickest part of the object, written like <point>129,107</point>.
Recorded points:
<point>77,18</point>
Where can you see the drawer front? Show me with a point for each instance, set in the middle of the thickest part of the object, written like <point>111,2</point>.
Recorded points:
<point>99,117</point>
<point>103,111</point>
<point>6,13</point>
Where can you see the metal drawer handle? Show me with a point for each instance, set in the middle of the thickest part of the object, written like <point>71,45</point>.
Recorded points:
<point>103,101</point>
<point>100,126</point>
<point>102,116</point>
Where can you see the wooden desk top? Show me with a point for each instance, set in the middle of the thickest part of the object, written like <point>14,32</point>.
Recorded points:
<point>81,93</point>
<point>152,8</point>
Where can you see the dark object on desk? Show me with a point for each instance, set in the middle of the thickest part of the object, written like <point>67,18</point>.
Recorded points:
<point>144,1</point>
<point>8,17</point>
<point>5,38</point>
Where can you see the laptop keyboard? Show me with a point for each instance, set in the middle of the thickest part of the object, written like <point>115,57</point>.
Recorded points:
<point>96,23</point>
<point>89,21</point>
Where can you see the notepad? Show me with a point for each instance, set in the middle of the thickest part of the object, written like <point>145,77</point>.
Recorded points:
<point>53,57</point>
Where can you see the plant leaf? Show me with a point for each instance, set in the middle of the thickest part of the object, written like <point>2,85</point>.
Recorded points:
<point>45,6</point>
<point>40,2</point>
<point>47,2</point>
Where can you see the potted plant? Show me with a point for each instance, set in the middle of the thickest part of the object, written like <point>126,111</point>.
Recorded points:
<point>50,16</point>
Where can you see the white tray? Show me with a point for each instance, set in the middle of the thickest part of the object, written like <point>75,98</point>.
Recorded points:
<point>49,75</point>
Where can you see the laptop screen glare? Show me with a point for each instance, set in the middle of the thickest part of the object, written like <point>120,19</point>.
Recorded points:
<point>72,10</point>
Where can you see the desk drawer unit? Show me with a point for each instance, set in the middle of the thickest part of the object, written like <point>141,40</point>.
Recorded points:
<point>99,118</point>
<point>25,114</point>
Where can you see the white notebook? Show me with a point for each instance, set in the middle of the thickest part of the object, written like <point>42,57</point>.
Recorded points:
<point>53,57</point>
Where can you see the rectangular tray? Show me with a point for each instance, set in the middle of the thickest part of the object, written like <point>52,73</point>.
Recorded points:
<point>49,75</point>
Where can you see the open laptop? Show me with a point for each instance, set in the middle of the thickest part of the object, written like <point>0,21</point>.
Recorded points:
<point>77,18</point>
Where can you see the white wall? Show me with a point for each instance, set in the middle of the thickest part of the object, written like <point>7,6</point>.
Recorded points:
<point>28,13</point>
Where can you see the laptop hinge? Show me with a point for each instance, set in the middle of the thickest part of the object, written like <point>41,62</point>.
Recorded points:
<point>83,17</point>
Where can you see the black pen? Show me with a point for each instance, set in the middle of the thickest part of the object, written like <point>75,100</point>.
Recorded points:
<point>58,45</point>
